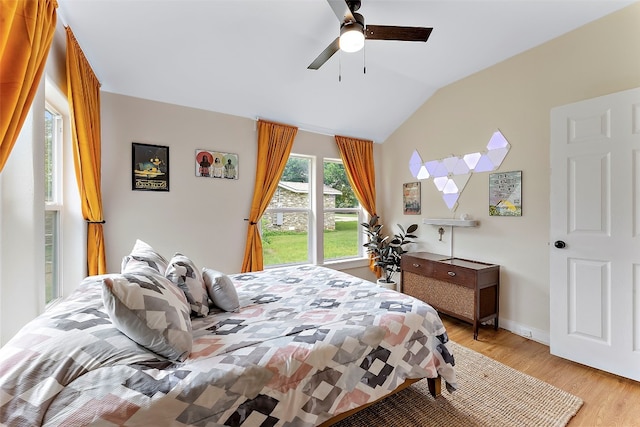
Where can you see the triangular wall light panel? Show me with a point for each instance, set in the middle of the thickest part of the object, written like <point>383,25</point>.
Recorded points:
<point>450,175</point>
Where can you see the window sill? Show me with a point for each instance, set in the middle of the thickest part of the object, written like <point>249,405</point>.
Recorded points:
<point>53,303</point>
<point>339,264</point>
<point>347,264</point>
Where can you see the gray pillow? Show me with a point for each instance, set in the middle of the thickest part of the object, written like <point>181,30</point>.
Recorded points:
<point>143,254</point>
<point>183,272</point>
<point>150,310</point>
<point>221,289</point>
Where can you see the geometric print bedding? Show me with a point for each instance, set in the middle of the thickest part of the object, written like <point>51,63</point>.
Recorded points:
<point>150,310</point>
<point>306,344</point>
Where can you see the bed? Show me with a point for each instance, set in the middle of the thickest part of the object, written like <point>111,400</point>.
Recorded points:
<point>304,346</point>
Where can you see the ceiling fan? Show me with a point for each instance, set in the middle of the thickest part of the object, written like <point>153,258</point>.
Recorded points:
<point>353,32</point>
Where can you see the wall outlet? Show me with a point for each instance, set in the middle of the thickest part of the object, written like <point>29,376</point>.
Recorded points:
<point>526,333</point>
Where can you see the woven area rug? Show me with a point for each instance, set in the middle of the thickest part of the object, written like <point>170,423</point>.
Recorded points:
<point>489,394</point>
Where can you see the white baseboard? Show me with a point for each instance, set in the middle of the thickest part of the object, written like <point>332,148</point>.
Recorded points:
<point>534,334</point>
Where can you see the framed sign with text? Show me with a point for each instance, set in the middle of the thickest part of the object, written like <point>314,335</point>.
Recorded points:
<point>411,198</point>
<point>505,194</point>
<point>149,167</point>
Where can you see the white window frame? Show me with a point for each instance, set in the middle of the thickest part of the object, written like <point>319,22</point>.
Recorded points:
<point>359,211</point>
<point>56,202</point>
<point>315,215</point>
<point>308,211</point>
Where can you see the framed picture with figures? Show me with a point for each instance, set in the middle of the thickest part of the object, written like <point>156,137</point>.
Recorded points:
<point>215,164</point>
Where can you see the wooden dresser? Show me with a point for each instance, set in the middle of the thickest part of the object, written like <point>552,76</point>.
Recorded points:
<point>464,289</point>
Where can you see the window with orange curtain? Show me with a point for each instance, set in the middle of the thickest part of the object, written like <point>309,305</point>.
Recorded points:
<point>83,90</point>
<point>286,224</point>
<point>357,155</point>
<point>53,202</point>
<point>343,214</point>
<point>295,230</point>
<point>26,34</point>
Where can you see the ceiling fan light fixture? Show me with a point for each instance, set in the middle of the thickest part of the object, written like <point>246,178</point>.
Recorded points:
<point>351,37</point>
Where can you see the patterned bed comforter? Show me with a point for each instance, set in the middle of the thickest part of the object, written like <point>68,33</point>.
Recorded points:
<point>307,344</point>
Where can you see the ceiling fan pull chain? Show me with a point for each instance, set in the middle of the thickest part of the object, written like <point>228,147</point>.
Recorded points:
<point>340,67</point>
<point>364,59</point>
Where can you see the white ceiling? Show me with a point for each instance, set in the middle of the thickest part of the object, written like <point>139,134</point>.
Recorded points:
<point>249,58</point>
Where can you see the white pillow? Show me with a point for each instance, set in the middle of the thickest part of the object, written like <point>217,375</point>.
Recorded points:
<point>183,272</point>
<point>221,289</point>
<point>150,310</point>
<point>143,254</point>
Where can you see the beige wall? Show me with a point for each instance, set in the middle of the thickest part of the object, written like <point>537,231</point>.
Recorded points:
<point>202,218</point>
<point>515,97</point>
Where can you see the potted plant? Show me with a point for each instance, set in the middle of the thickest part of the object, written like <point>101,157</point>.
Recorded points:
<point>387,251</point>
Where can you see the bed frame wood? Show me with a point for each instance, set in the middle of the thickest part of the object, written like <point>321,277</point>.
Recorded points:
<point>435,388</point>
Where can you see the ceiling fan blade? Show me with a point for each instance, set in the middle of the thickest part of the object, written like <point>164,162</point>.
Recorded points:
<point>325,55</point>
<point>342,11</point>
<point>386,32</point>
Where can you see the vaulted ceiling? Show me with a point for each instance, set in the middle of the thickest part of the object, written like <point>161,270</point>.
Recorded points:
<point>249,58</point>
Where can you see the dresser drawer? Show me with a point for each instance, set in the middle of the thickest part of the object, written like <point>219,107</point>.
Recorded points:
<point>454,274</point>
<point>416,265</point>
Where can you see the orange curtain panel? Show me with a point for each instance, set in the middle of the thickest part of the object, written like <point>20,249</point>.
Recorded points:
<point>357,157</point>
<point>274,145</point>
<point>84,103</point>
<point>26,33</point>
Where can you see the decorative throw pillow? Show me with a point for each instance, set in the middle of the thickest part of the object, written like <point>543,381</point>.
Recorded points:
<point>221,289</point>
<point>183,272</point>
<point>151,311</point>
<point>143,254</point>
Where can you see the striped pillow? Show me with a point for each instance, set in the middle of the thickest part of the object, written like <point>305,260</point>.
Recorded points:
<point>143,254</point>
<point>183,272</point>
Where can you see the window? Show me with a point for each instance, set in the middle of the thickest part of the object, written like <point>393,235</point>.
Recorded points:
<point>342,214</point>
<point>53,202</point>
<point>286,222</point>
<point>291,225</point>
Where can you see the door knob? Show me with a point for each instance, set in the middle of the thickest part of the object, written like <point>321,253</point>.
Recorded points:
<point>559,244</point>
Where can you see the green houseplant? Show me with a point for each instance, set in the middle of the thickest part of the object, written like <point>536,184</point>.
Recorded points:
<point>387,251</point>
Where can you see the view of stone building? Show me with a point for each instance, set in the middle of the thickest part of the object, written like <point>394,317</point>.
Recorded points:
<point>292,195</point>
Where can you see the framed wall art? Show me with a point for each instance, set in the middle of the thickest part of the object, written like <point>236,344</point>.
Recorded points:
<point>149,167</point>
<point>505,194</point>
<point>214,164</point>
<point>411,198</point>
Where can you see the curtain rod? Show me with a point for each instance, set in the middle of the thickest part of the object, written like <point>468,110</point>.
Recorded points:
<point>303,127</point>
<point>61,17</point>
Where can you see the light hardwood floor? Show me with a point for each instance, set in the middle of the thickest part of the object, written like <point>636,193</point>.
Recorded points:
<point>609,400</point>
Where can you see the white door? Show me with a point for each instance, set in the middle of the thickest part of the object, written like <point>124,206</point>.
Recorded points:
<point>595,233</point>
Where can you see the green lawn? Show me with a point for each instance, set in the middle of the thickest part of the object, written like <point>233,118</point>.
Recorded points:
<point>284,247</point>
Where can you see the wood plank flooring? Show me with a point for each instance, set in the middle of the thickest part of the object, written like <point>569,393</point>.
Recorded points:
<point>609,400</point>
